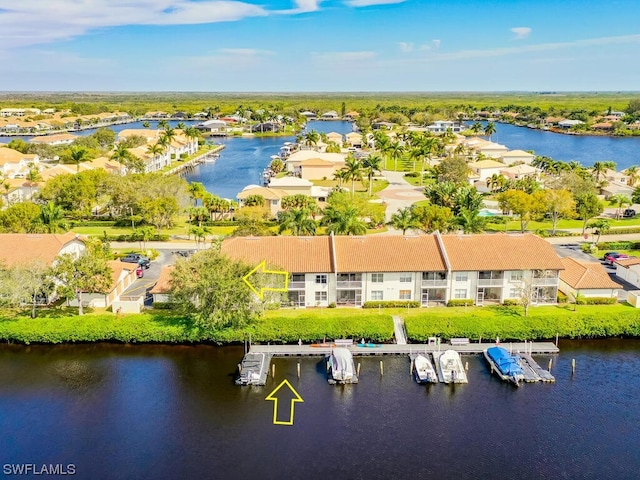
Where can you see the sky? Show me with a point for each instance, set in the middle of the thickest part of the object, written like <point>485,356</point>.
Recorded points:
<point>319,45</point>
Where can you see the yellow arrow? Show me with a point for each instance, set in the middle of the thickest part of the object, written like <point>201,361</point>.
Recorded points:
<point>273,396</point>
<point>262,268</point>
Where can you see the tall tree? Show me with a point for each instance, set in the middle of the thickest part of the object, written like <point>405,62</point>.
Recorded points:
<point>297,221</point>
<point>343,221</point>
<point>559,204</point>
<point>619,201</point>
<point>370,166</point>
<point>352,171</point>
<point>403,220</point>
<point>51,217</point>
<point>587,206</point>
<point>430,218</point>
<point>490,129</point>
<point>600,227</point>
<point>78,155</point>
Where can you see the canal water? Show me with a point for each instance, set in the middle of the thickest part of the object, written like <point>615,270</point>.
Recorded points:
<point>122,411</point>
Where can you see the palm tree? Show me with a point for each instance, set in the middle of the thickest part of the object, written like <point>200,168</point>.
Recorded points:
<point>600,168</point>
<point>352,171</point>
<point>371,166</point>
<point>395,153</point>
<point>344,221</point>
<point>170,133</point>
<point>78,154</point>
<point>180,126</point>
<point>199,234</point>
<point>297,221</point>
<point>51,216</point>
<point>600,227</point>
<point>403,220</point>
<point>199,214</point>
<point>33,177</point>
<point>146,124</point>
<point>490,129</point>
<point>122,155</point>
<point>619,201</point>
<point>633,175</point>
<point>196,190</point>
<point>155,150</point>
<point>311,138</point>
<point>162,124</point>
<point>471,221</point>
<point>476,127</point>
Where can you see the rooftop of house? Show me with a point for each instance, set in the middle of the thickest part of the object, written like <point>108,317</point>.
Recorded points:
<point>517,153</point>
<point>17,248</point>
<point>583,275</point>
<point>59,137</point>
<point>163,285</point>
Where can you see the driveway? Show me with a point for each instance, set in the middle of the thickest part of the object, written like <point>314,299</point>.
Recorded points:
<point>142,285</point>
<point>399,194</point>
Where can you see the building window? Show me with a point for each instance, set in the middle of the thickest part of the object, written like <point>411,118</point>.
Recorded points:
<point>321,296</point>
<point>297,277</point>
<point>406,278</point>
<point>516,276</point>
<point>461,277</point>
<point>514,293</point>
<point>321,279</point>
<point>377,277</point>
<point>377,295</point>
<point>460,293</point>
<point>405,294</point>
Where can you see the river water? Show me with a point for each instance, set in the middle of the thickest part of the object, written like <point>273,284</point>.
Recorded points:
<point>121,411</point>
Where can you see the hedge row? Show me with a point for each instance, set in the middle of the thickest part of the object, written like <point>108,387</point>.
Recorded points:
<point>460,302</point>
<point>621,245</point>
<point>597,301</point>
<point>391,304</point>
<point>513,325</point>
<point>167,328</point>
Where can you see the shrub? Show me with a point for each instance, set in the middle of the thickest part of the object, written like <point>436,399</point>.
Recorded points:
<point>619,245</point>
<point>460,302</point>
<point>163,305</point>
<point>597,301</point>
<point>412,174</point>
<point>562,298</point>
<point>391,304</point>
<point>332,305</point>
<point>511,302</point>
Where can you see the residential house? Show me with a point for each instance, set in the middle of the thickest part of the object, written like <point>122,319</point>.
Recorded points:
<point>19,112</point>
<point>615,176</point>
<point>517,156</point>
<point>21,248</point>
<point>491,149</point>
<point>293,163</point>
<point>330,115</point>
<point>353,115</point>
<point>569,123</point>
<point>272,196</point>
<point>161,291</point>
<point>15,164</point>
<point>150,135</point>
<point>292,185</point>
<point>587,279</point>
<point>308,115</point>
<point>57,139</point>
<point>381,126</point>
<point>485,169</point>
<point>354,139</point>
<point>628,269</point>
<point>335,137</point>
<point>518,172</point>
<point>122,276</point>
<point>214,126</point>
<point>442,126</point>
<point>430,269</point>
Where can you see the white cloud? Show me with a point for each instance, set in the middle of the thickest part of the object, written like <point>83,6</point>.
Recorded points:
<point>302,6</point>
<point>406,47</point>
<point>344,59</point>
<point>31,22</point>
<point>521,32</point>
<point>367,3</point>
<point>434,45</point>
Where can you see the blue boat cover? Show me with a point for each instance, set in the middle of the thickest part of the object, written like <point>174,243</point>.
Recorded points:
<point>506,363</point>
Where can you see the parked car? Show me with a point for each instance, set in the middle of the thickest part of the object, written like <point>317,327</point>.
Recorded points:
<point>137,258</point>
<point>139,271</point>
<point>607,254</point>
<point>629,213</point>
<point>613,257</point>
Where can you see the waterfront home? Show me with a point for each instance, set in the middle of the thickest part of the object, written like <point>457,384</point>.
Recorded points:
<point>161,291</point>
<point>518,172</point>
<point>602,126</point>
<point>569,123</point>
<point>19,112</point>
<point>615,188</point>
<point>308,115</point>
<point>615,176</point>
<point>517,156</point>
<point>212,126</point>
<point>122,276</point>
<point>430,269</point>
<point>442,126</point>
<point>330,115</point>
<point>292,185</point>
<point>353,115</point>
<point>588,279</point>
<point>294,161</point>
<point>382,126</point>
<point>272,196</point>
<point>491,149</point>
<point>484,169</point>
<point>150,135</point>
<point>21,248</point>
<point>57,139</point>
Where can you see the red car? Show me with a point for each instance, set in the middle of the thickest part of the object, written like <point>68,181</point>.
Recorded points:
<point>139,271</point>
<point>613,256</point>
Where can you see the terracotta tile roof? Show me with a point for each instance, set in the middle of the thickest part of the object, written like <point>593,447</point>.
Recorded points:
<point>266,193</point>
<point>316,162</point>
<point>16,248</point>
<point>388,254</point>
<point>59,137</point>
<point>500,252</point>
<point>163,285</point>
<point>117,267</point>
<point>581,275</point>
<point>627,262</point>
<point>517,153</point>
<point>293,254</point>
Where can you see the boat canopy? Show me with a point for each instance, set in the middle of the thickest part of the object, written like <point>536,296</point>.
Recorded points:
<point>507,363</point>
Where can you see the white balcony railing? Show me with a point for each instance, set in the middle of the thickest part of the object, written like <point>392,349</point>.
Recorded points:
<point>349,284</point>
<point>491,282</point>
<point>545,281</point>
<point>435,283</point>
<point>296,285</point>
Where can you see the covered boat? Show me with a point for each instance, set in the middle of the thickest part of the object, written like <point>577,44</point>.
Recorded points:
<point>340,366</point>
<point>451,368</point>
<point>424,370</point>
<point>507,366</point>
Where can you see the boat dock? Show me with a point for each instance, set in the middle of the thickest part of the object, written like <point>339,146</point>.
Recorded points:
<point>254,368</point>
<point>534,372</point>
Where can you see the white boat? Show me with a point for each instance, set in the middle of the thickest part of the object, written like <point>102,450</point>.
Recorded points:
<point>340,366</point>
<point>450,367</point>
<point>424,370</point>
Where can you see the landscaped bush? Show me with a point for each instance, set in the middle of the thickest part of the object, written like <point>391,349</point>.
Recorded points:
<point>92,223</point>
<point>619,246</point>
<point>509,323</point>
<point>510,302</point>
<point>391,304</point>
<point>460,302</point>
<point>597,301</point>
<point>562,298</point>
<point>412,174</point>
